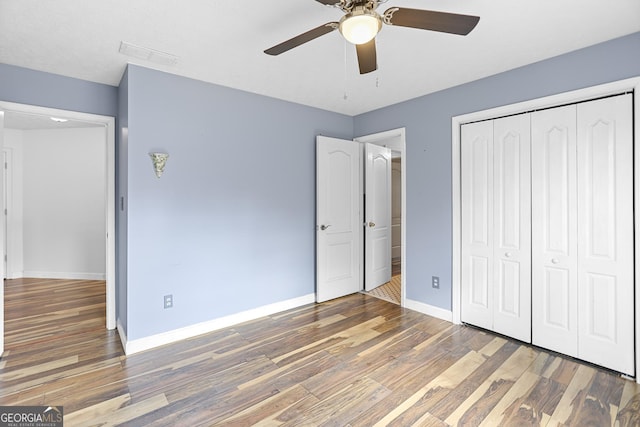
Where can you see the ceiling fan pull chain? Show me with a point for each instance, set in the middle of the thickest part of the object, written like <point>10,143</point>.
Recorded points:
<point>344,44</point>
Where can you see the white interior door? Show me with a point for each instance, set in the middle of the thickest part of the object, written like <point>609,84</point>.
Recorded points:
<point>554,247</point>
<point>605,233</point>
<point>512,226</point>
<point>477,224</point>
<point>377,236</point>
<point>338,218</point>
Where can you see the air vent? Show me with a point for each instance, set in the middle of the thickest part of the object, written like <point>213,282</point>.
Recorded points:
<point>147,54</point>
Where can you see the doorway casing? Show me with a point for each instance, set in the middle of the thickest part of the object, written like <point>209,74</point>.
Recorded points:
<point>395,139</point>
<point>109,124</point>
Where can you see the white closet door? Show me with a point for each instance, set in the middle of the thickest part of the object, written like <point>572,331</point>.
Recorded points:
<point>477,224</point>
<point>554,228</point>
<point>605,233</point>
<point>512,226</point>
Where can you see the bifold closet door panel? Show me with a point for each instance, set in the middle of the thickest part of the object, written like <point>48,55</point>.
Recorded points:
<point>554,229</point>
<point>477,224</point>
<point>512,226</point>
<point>605,233</point>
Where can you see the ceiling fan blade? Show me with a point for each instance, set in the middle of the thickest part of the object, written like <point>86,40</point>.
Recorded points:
<point>329,2</point>
<point>431,20</point>
<point>302,38</point>
<point>367,56</point>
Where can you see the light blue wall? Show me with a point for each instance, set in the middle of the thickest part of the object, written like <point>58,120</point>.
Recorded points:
<point>230,225</point>
<point>428,132</point>
<point>25,86</point>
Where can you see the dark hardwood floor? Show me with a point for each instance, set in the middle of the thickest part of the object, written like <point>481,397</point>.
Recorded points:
<point>355,361</point>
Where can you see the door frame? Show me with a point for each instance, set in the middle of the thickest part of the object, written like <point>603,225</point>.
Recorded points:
<point>109,123</point>
<point>395,139</point>
<point>608,89</point>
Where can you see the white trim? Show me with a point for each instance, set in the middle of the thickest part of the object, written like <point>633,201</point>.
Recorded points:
<point>110,203</point>
<point>427,309</point>
<point>123,335</point>
<point>613,88</point>
<point>636,234</point>
<point>146,343</point>
<point>383,138</point>
<point>62,275</point>
<point>109,122</point>
<point>8,205</point>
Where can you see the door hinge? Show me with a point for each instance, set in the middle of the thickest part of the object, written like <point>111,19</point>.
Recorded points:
<point>5,257</point>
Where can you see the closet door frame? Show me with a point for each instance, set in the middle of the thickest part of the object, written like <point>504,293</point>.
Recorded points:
<point>586,94</point>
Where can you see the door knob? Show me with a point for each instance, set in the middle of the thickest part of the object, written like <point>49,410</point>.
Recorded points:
<point>554,260</point>
<point>372,224</point>
<point>324,227</point>
<point>507,254</point>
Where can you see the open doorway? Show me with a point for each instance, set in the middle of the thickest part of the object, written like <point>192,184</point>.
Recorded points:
<point>22,118</point>
<point>394,290</point>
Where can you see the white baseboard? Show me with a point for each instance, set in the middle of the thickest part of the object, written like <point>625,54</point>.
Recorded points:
<point>63,275</point>
<point>146,343</point>
<point>430,310</point>
<point>122,334</point>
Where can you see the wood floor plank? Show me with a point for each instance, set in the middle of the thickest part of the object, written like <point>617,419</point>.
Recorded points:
<point>466,388</point>
<point>296,372</point>
<point>295,411</point>
<point>629,409</point>
<point>571,400</point>
<point>416,369</point>
<point>511,400</point>
<point>269,409</point>
<point>345,338</point>
<point>418,404</point>
<point>535,408</point>
<point>355,361</point>
<point>345,405</point>
<point>603,394</point>
<point>118,416</point>
<point>37,370</point>
<point>482,401</point>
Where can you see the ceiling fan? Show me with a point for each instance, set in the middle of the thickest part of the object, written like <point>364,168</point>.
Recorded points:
<point>361,23</point>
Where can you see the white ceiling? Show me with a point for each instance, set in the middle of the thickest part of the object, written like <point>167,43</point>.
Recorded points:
<point>222,42</point>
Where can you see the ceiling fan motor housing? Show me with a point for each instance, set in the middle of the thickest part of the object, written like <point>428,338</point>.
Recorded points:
<point>360,25</point>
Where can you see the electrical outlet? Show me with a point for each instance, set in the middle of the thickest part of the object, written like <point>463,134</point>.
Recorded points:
<point>435,282</point>
<point>168,301</point>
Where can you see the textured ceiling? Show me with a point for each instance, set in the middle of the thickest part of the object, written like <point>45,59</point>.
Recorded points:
<point>223,42</point>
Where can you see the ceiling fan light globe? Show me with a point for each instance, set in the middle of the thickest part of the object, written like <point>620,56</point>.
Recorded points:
<point>360,28</point>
